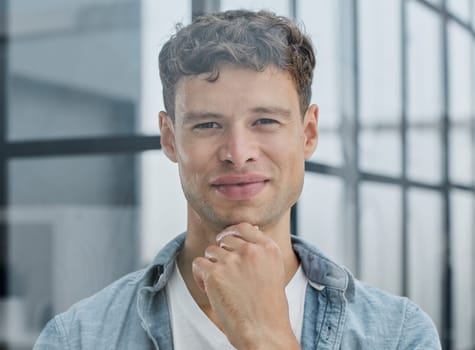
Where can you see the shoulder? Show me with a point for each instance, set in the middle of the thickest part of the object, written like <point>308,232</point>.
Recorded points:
<point>102,314</point>
<point>375,316</point>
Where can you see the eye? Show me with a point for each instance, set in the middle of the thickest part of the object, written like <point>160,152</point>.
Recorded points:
<point>266,121</point>
<point>207,125</point>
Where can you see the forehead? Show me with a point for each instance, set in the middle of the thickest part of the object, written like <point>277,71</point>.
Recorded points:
<point>236,90</point>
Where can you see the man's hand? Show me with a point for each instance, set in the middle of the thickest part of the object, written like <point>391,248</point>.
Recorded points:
<point>244,279</point>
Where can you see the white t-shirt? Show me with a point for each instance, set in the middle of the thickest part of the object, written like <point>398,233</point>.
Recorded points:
<point>192,329</point>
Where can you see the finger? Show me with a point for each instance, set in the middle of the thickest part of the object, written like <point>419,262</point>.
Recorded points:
<point>231,243</point>
<point>214,253</point>
<point>247,232</point>
<point>200,269</point>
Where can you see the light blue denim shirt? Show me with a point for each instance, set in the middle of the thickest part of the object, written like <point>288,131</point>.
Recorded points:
<point>132,313</point>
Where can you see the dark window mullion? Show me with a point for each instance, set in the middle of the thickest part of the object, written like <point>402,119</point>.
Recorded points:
<point>3,155</point>
<point>201,7</point>
<point>404,150</point>
<point>80,146</point>
<point>447,337</point>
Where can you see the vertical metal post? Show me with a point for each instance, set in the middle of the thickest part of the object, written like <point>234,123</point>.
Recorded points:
<point>3,156</point>
<point>404,150</point>
<point>293,9</point>
<point>201,7</point>
<point>447,335</point>
<point>349,86</point>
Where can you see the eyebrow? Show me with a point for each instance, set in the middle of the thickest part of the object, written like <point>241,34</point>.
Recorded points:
<point>192,117</point>
<point>272,110</point>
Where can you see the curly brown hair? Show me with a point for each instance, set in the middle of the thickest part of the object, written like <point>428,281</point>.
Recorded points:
<point>243,38</point>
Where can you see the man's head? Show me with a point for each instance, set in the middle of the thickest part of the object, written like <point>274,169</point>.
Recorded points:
<point>245,39</point>
<point>238,120</point>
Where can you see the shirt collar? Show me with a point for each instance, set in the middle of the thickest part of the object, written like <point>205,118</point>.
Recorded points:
<point>320,270</point>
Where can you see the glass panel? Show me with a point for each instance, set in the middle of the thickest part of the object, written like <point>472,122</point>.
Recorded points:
<point>280,7</point>
<point>158,22</point>
<point>84,79</point>
<point>65,214</point>
<point>380,61</point>
<point>329,149</point>
<point>424,163</point>
<point>463,261</point>
<point>381,242</point>
<point>68,215</point>
<point>320,214</point>
<point>79,180</point>
<point>425,69</point>
<point>321,21</point>
<point>380,151</point>
<point>86,75</point>
<point>460,8</point>
<point>461,156</point>
<point>426,251</point>
<point>59,254</point>
<point>460,73</point>
<point>163,205</point>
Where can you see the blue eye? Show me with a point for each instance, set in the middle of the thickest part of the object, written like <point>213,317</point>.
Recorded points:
<point>208,125</point>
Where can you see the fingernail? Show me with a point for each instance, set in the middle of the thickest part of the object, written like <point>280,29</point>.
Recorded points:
<point>210,257</point>
<point>223,234</point>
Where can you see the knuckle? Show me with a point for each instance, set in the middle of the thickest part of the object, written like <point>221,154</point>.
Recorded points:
<point>249,249</point>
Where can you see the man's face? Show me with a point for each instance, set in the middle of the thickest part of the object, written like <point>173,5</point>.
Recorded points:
<point>240,143</point>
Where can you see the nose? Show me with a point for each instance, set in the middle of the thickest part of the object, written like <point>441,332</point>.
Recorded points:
<point>239,147</point>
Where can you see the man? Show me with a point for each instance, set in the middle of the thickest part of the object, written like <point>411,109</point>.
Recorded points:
<point>239,124</point>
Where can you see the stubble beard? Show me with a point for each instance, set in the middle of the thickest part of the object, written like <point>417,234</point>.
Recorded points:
<point>206,214</point>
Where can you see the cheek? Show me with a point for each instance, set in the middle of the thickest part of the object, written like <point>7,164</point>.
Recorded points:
<point>193,161</point>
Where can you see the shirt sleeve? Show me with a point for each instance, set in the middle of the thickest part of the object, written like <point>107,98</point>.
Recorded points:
<point>418,332</point>
<point>51,338</point>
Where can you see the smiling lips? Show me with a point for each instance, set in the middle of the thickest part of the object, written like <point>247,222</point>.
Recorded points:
<point>239,187</point>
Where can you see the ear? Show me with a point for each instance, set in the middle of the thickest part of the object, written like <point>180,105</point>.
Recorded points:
<point>167,136</point>
<point>310,130</point>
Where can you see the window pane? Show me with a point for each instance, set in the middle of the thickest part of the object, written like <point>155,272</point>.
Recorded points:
<point>426,252</point>
<point>460,8</point>
<point>380,61</point>
<point>381,242</point>
<point>58,255</point>
<point>320,214</point>
<point>380,151</point>
<point>460,73</point>
<point>65,215</point>
<point>158,22</point>
<point>463,261</point>
<point>163,205</point>
<point>73,68</point>
<point>321,19</point>
<point>424,163</point>
<point>461,156</point>
<point>425,70</point>
<point>329,149</point>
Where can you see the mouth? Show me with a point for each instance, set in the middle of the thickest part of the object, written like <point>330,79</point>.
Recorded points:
<point>240,187</point>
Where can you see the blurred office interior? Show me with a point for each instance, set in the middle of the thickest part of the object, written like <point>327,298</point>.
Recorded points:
<point>86,194</point>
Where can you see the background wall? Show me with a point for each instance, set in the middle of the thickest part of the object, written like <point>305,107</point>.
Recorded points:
<point>88,196</point>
